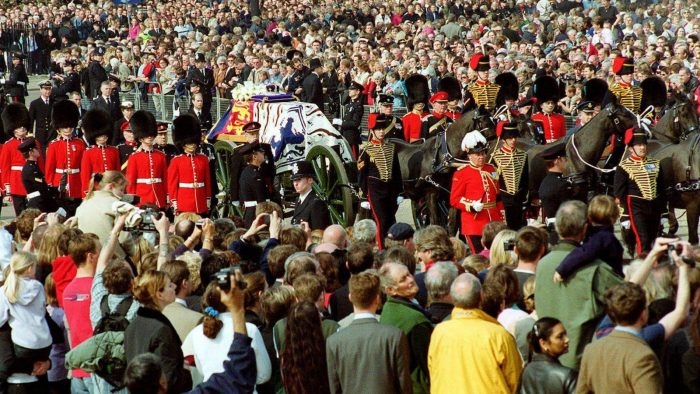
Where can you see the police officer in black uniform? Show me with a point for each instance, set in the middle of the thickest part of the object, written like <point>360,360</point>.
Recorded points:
<point>386,107</point>
<point>350,124</point>
<point>204,77</point>
<point>126,148</point>
<point>554,189</point>
<point>96,73</point>
<point>66,83</point>
<point>380,175</point>
<point>309,208</point>
<point>16,83</point>
<point>39,194</point>
<point>252,189</point>
<point>40,115</point>
<point>161,142</point>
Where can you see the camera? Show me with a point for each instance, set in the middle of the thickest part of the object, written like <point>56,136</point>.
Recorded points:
<point>509,245</point>
<point>223,278</point>
<point>679,249</point>
<point>143,219</point>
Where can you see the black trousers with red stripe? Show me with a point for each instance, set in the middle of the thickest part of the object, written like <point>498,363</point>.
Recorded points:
<point>382,201</point>
<point>645,218</point>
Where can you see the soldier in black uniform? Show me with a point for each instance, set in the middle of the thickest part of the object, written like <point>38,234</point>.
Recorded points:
<point>512,166</point>
<point>161,143</point>
<point>386,107</point>
<point>127,147</point>
<point>16,83</point>
<point>350,124</point>
<point>39,194</point>
<point>252,188</point>
<point>204,77</point>
<point>554,189</point>
<point>380,175</point>
<point>309,208</point>
<point>639,188</point>
<point>96,74</point>
<point>66,83</point>
<point>40,116</point>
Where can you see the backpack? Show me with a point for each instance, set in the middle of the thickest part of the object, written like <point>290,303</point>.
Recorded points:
<point>110,368</point>
<point>113,321</point>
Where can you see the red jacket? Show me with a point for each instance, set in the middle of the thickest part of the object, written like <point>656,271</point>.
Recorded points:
<point>147,176</point>
<point>64,156</point>
<point>554,125</point>
<point>11,163</point>
<point>476,184</point>
<point>412,123</point>
<point>189,184</point>
<point>98,160</point>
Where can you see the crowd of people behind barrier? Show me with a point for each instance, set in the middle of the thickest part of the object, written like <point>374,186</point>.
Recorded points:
<point>100,296</point>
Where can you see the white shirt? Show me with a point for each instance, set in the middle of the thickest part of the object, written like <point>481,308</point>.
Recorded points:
<point>210,354</point>
<point>181,302</point>
<point>302,197</point>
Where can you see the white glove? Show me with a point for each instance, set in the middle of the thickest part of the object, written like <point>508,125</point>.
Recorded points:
<point>626,224</point>
<point>477,206</point>
<point>337,122</point>
<point>365,205</point>
<point>399,200</point>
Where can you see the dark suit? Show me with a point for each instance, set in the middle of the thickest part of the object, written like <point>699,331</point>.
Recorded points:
<point>40,122</point>
<point>377,353</point>
<point>16,83</point>
<point>204,118</point>
<point>71,83</point>
<point>313,90</point>
<point>112,108</point>
<point>96,75</point>
<point>313,211</point>
<point>206,80</point>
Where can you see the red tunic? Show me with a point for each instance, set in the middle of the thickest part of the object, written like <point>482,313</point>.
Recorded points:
<point>189,183</point>
<point>147,177</point>
<point>412,123</point>
<point>65,156</point>
<point>554,125</point>
<point>98,160</point>
<point>11,163</point>
<point>476,184</point>
<point>454,115</point>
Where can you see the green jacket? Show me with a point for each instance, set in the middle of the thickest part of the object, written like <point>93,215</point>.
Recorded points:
<point>578,302</point>
<point>410,319</point>
<point>86,355</point>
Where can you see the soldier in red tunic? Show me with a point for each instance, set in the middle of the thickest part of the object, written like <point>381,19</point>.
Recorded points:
<point>189,183</point>
<point>146,171</point>
<point>64,155</point>
<point>553,125</point>
<point>417,100</point>
<point>475,191</point>
<point>15,118</point>
<point>454,93</point>
<point>99,157</point>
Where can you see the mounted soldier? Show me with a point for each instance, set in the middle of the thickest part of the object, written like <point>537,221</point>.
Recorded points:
<point>438,121</point>
<point>551,125</point>
<point>386,107</point>
<point>627,94</point>
<point>482,91</point>
<point>509,94</point>
<point>454,94</point>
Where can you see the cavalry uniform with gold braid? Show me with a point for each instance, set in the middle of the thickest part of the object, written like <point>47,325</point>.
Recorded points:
<point>512,169</point>
<point>639,187</point>
<point>628,95</point>
<point>380,177</point>
<point>475,193</point>
<point>482,91</point>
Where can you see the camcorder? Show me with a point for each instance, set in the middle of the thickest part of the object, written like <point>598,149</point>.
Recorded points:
<point>143,220</point>
<point>223,278</point>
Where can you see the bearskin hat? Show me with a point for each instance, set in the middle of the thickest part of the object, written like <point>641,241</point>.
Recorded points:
<point>417,90</point>
<point>654,92</point>
<point>143,124</point>
<point>595,90</point>
<point>510,88</point>
<point>65,114</point>
<point>186,130</point>
<point>452,86</point>
<point>96,122</point>
<point>15,116</point>
<point>546,89</point>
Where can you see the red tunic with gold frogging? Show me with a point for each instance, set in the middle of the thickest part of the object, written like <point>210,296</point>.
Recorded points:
<point>476,184</point>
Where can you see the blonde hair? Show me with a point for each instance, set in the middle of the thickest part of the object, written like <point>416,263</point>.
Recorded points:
<point>602,210</point>
<point>499,254</point>
<point>49,249</point>
<point>529,294</point>
<point>194,263</point>
<point>20,263</point>
<point>100,180</point>
<point>148,285</point>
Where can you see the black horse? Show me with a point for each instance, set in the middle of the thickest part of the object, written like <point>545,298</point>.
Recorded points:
<point>679,121</point>
<point>427,166</point>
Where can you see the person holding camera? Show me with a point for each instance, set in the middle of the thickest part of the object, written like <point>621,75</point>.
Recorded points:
<point>146,171</point>
<point>189,183</point>
<point>66,83</point>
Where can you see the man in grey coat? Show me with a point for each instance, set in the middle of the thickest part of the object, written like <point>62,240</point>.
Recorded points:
<point>366,357</point>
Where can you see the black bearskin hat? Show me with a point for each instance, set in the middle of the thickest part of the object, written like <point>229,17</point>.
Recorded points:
<point>143,124</point>
<point>65,114</point>
<point>186,130</point>
<point>417,90</point>
<point>595,90</point>
<point>15,116</point>
<point>654,92</point>
<point>452,87</point>
<point>96,122</point>
<point>546,89</point>
<point>510,88</point>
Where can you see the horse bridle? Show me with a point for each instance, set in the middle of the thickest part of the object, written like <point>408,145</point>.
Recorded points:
<point>444,150</point>
<point>690,185</point>
<point>578,178</point>
<point>676,124</point>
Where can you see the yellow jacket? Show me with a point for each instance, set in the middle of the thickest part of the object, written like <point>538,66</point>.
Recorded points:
<point>473,353</point>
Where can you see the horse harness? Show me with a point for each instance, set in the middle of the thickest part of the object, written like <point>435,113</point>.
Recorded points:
<point>690,185</point>
<point>684,134</point>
